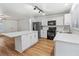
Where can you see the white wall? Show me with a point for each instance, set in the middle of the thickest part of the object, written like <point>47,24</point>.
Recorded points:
<point>14,25</point>
<point>1,27</point>
<point>31,19</point>
<point>23,24</point>
<point>9,25</point>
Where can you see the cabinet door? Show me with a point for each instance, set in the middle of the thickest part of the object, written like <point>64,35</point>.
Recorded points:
<point>67,19</point>
<point>44,33</point>
<point>25,41</point>
<point>44,22</point>
<point>31,38</point>
<point>28,40</point>
<point>59,20</point>
<point>34,38</point>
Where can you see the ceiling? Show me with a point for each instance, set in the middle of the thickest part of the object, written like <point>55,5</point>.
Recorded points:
<point>27,9</point>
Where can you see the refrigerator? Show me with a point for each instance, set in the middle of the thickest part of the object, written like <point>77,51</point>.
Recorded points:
<point>37,27</point>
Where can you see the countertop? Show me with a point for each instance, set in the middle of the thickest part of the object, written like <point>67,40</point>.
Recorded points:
<point>18,33</point>
<point>71,38</point>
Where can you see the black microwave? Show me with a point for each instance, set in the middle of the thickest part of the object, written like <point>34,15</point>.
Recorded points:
<point>51,23</point>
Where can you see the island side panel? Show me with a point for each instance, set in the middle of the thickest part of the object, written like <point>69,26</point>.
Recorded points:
<point>18,43</point>
<point>26,42</point>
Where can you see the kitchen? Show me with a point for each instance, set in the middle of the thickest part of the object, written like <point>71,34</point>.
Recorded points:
<point>31,23</point>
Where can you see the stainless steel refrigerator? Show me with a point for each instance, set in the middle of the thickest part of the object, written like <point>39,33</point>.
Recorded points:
<point>37,27</point>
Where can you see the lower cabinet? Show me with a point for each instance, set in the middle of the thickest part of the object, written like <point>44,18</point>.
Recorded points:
<point>34,38</point>
<point>25,41</point>
<point>44,33</point>
<point>66,49</point>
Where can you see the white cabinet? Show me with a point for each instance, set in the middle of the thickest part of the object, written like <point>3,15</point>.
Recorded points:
<point>25,41</point>
<point>66,49</point>
<point>44,30</point>
<point>59,20</point>
<point>10,25</point>
<point>44,33</point>
<point>66,44</point>
<point>34,38</point>
<point>44,22</point>
<point>67,19</point>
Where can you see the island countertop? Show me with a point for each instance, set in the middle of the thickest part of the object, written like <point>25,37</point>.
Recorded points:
<point>71,38</point>
<point>18,33</point>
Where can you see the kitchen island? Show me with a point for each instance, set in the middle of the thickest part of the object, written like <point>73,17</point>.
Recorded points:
<point>66,44</point>
<point>23,39</point>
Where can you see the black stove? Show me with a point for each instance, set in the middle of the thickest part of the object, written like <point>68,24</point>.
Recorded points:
<point>51,32</point>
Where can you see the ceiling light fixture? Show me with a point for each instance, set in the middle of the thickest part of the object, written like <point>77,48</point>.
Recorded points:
<point>40,11</point>
<point>35,8</point>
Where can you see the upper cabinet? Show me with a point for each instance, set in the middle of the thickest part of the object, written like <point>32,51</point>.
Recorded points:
<point>59,20</point>
<point>44,22</point>
<point>67,19</point>
<point>10,25</point>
